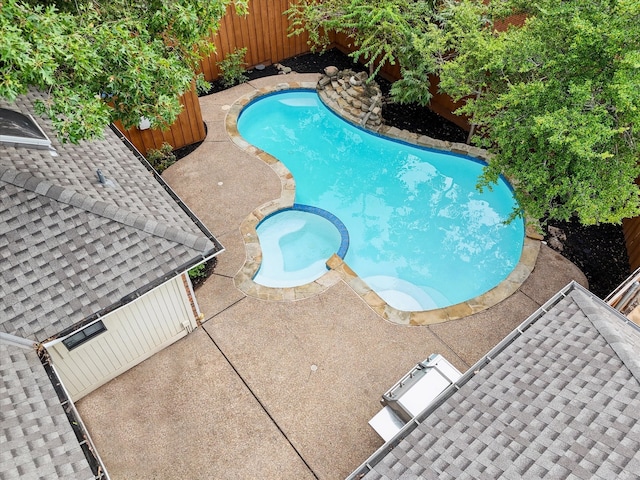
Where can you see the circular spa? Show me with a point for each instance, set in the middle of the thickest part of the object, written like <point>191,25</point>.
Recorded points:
<point>421,234</point>
<point>296,244</point>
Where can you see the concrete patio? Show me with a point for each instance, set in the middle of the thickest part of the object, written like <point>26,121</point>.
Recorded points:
<point>266,389</point>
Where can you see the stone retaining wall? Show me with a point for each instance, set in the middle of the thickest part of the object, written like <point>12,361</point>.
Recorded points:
<point>350,95</point>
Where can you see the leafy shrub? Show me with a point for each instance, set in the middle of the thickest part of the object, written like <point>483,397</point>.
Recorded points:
<point>232,68</point>
<point>199,272</point>
<point>202,86</point>
<point>161,158</point>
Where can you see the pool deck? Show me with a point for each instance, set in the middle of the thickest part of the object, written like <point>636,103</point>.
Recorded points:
<point>275,389</point>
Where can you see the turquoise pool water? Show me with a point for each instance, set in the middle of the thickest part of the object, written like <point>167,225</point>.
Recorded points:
<point>296,245</point>
<point>421,235</point>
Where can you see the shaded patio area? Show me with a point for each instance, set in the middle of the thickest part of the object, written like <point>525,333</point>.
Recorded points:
<point>271,389</point>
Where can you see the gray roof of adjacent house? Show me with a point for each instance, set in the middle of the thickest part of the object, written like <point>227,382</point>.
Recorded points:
<point>558,398</point>
<point>72,247</point>
<point>36,438</point>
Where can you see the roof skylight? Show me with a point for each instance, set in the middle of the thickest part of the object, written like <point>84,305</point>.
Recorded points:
<point>21,130</point>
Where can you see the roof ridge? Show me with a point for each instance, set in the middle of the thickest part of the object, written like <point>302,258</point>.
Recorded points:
<point>101,208</point>
<point>614,331</point>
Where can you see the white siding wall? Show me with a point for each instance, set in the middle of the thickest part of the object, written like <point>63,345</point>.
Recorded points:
<point>134,333</point>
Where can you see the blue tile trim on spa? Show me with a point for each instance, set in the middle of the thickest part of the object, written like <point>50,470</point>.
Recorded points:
<point>344,233</point>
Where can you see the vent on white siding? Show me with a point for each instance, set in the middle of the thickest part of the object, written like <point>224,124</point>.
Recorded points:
<point>187,326</point>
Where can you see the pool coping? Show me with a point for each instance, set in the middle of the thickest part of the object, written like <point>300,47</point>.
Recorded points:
<point>338,269</point>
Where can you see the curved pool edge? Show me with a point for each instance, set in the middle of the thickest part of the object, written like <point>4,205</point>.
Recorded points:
<point>338,269</point>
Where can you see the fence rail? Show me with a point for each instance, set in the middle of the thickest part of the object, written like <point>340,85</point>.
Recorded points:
<point>187,129</point>
<point>264,32</point>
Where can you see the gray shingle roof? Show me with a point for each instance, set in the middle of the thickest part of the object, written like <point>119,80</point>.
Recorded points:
<point>75,169</point>
<point>560,400</point>
<point>36,438</point>
<point>71,247</point>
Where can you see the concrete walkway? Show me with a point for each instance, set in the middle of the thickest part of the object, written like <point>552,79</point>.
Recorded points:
<point>274,390</point>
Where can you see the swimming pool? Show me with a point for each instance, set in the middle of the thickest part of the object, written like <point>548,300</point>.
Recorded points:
<point>421,235</point>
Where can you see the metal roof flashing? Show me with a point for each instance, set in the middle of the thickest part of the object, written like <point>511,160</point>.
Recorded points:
<point>17,129</point>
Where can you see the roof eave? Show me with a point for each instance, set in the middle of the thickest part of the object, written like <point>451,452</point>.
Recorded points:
<point>381,452</point>
<point>143,290</point>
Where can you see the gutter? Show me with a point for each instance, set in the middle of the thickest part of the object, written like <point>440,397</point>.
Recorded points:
<point>82,435</point>
<point>369,464</point>
<point>93,318</point>
<point>166,187</point>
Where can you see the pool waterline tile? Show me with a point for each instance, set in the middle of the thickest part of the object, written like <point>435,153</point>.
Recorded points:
<point>338,269</point>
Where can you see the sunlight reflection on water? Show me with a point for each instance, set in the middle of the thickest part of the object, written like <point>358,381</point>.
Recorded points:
<point>420,231</point>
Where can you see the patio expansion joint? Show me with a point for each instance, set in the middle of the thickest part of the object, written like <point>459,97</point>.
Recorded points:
<point>228,307</point>
<point>260,403</point>
<point>223,275</point>
<point>530,298</point>
<point>452,350</point>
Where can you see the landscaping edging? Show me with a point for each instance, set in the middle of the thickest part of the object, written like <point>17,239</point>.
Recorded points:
<point>339,270</point>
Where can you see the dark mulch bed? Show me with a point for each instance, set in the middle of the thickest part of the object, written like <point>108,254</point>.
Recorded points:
<point>203,274</point>
<point>599,251</point>
<point>411,117</point>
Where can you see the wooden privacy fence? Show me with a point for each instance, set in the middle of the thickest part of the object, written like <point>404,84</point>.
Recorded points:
<point>187,129</point>
<point>264,32</point>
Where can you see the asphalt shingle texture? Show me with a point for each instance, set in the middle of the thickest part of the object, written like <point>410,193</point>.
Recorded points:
<point>74,169</point>
<point>559,402</point>
<point>71,247</point>
<point>36,439</point>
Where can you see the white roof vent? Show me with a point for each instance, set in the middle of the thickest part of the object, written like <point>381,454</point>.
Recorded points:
<point>21,130</point>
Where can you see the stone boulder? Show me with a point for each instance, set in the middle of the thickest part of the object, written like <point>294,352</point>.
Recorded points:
<point>331,71</point>
<point>353,96</point>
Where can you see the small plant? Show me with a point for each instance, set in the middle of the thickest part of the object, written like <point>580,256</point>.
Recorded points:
<point>202,86</point>
<point>232,68</point>
<point>199,272</point>
<point>161,158</point>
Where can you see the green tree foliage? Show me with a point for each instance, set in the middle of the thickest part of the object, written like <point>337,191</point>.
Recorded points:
<point>101,61</point>
<point>555,99</point>
<point>382,31</point>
